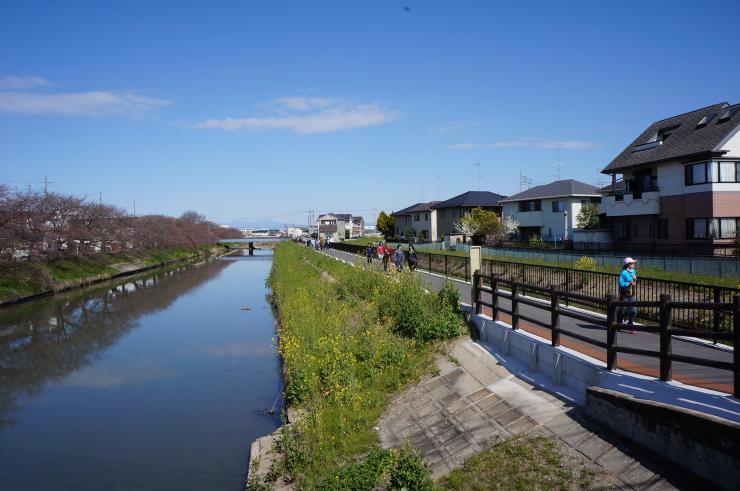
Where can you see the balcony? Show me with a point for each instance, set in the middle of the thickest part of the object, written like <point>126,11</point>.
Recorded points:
<point>647,204</point>
<point>528,218</point>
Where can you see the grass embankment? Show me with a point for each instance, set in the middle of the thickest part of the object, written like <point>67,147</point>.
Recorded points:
<point>26,278</point>
<point>521,463</point>
<point>349,339</point>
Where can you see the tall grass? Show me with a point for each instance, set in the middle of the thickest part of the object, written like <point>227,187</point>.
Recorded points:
<point>347,344</point>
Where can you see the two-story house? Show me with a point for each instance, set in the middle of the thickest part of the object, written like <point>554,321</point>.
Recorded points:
<point>550,210</point>
<point>681,184</point>
<point>450,211</point>
<point>358,227</point>
<point>333,225</point>
<point>417,220</point>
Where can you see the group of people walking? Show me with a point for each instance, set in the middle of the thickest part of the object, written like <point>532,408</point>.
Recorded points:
<point>317,244</point>
<point>385,252</point>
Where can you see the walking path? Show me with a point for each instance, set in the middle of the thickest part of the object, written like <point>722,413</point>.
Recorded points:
<point>705,377</point>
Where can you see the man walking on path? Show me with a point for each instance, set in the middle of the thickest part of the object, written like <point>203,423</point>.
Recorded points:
<point>369,253</point>
<point>627,291</point>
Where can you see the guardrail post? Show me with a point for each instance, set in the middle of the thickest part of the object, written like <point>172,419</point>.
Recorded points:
<point>429,255</point>
<point>736,339</point>
<point>716,315</point>
<point>494,297</point>
<point>666,323</point>
<point>554,316</point>
<point>445,265</point>
<point>514,305</point>
<point>567,285</point>
<point>466,268</point>
<point>611,332</point>
<point>475,293</point>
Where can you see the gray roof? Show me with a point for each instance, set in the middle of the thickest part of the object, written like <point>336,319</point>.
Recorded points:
<point>565,187</point>
<point>415,208</point>
<point>339,216</point>
<point>687,140</point>
<point>472,199</point>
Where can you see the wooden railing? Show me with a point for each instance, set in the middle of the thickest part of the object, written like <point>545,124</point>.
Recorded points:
<point>495,286</point>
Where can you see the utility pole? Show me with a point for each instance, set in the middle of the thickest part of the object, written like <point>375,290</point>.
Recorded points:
<point>134,206</point>
<point>557,164</point>
<point>46,184</point>
<point>100,199</point>
<point>478,164</point>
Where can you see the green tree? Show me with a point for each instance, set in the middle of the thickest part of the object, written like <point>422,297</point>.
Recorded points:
<point>588,217</point>
<point>480,224</point>
<point>384,224</point>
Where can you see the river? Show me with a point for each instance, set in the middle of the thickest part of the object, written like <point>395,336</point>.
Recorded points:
<point>158,381</point>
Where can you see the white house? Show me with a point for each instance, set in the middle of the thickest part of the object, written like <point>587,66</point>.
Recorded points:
<point>550,210</point>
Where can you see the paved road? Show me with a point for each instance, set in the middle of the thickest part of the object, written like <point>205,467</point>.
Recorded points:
<point>707,377</point>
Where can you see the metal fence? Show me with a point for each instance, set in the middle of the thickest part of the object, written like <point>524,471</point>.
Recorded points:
<point>590,284</point>
<point>666,328</point>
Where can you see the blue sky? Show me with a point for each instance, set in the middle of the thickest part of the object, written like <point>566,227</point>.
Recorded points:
<point>245,110</point>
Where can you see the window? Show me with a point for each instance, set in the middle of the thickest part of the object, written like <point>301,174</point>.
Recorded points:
<point>662,228</point>
<point>728,171</point>
<point>705,172</point>
<point>623,230</point>
<point>558,206</point>
<point>706,120</point>
<point>416,217</point>
<point>426,216</point>
<point>696,228</point>
<point>533,205</point>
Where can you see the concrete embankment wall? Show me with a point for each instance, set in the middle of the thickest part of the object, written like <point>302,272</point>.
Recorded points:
<point>705,445</point>
<point>654,414</point>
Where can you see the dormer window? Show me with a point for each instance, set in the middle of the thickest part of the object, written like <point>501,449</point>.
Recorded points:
<point>706,120</point>
<point>728,114</point>
<point>657,139</point>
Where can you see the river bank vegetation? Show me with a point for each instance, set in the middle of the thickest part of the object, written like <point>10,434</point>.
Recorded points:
<point>42,226</point>
<point>349,340</point>
<point>49,240</point>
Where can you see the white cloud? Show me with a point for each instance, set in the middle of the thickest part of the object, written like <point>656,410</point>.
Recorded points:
<point>20,83</point>
<point>97,103</point>
<point>452,126</point>
<point>303,103</point>
<point>309,116</point>
<point>528,143</point>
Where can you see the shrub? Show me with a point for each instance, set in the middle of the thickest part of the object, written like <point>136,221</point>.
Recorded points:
<point>410,472</point>
<point>449,295</point>
<point>585,262</point>
<point>416,314</point>
<point>535,242</point>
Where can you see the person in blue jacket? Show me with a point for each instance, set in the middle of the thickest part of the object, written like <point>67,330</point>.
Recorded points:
<point>369,253</point>
<point>627,290</point>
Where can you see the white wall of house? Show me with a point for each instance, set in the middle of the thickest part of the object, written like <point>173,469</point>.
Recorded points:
<point>550,223</point>
<point>733,145</point>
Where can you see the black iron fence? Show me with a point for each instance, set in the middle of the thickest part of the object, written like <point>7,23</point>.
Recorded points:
<point>591,284</point>
<point>666,327</point>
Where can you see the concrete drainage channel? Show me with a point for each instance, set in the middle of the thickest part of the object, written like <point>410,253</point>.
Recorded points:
<point>696,429</point>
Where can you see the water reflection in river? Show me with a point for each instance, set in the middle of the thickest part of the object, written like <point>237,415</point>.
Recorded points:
<point>155,382</point>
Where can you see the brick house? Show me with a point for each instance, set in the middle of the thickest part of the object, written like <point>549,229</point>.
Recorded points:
<point>676,187</point>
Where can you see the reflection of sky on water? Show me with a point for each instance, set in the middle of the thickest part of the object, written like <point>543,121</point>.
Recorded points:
<point>156,383</point>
